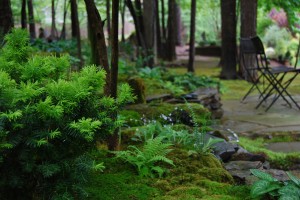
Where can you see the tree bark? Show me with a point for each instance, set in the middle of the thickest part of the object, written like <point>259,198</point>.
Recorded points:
<point>6,18</point>
<point>139,27</point>
<point>97,40</point>
<point>228,16</point>
<point>248,29</point>
<point>158,32</point>
<point>108,17</point>
<point>178,24</point>
<point>150,25</point>
<point>113,142</point>
<point>123,20</point>
<point>76,29</point>
<point>31,19</point>
<point>23,15</point>
<point>63,30</point>
<point>171,40</point>
<point>54,33</point>
<point>163,24</point>
<point>192,38</point>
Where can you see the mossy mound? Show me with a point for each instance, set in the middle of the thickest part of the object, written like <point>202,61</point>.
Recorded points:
<point>138,89</point>
<point>189,170</point>
<point>173,113</point>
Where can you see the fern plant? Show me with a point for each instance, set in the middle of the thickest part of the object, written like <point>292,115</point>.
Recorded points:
<point>146,159</point>
<point>201,145</point>
<point>49,120</point>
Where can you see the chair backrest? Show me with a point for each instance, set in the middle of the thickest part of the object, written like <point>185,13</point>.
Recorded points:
<point>258,45</point>
<point>254,46</point>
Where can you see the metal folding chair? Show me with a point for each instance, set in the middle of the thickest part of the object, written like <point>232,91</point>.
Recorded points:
<point>274,75</point>
<point>247,49</point>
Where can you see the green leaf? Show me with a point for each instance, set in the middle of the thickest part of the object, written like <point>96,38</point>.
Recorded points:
<point>262,175</point>
<point>290,191</point>
<point>262,187</point>
<point>293,178</point>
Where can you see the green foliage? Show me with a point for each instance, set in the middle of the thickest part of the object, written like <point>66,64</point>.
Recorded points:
<point>280,40</point>
<point>271,186</point>
<point>155,129</point>
<point>190,82</point>
<point>146,160</point>
<point>202,145</point>
<point>49,119</point>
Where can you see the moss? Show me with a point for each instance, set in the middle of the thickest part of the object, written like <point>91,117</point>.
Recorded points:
<point>216,190</point>
<point>119,186</point>
<point>172,113</point>
<point>277,159</point>
<point>132,118</point>
<point>138,89</point>
<point>216,174</point>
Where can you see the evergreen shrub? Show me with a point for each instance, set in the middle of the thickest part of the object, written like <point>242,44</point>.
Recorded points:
<point>50,119</point>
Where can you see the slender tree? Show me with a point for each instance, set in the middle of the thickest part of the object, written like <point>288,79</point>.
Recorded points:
<point>158,31</point>
<point>149,31</point>
<point>114,139</point>
<point>137,24</point>
<point>178,23</point>
<point>192,37</point>
<point>97,40</point>
<point>31,19</point>
<point>171,39</point>
<point>76,28</point>
<point>248,29</point>
<point>228,16</point>
<point>108,16</point>
<point>123,9</point>
<point>54,33</point>
<point>63,30</point>
<point>163,24</point>
<point>23,15</point>
<point>6,18</point>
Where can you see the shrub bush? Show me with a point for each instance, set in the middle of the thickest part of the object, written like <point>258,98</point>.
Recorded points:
<point>49,120</point>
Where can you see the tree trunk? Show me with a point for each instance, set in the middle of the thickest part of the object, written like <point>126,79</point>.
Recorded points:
<point>123,20</point>
<point>23,15</point>
<point>113,142</point>
<point>54,33</point>
<point>192,37</point>
<point>171,40</point>
<point>108,17</point>
<point>150,25</point>
<point>6,18</point>
<point>138,23</point>
<point>97,40</point>
<point>158,32</point>
<point>31,19</point>
<point>228,16</point>
<point>248,29</point>
<point>178,24</point>
<point>163,24</point>
<point>76,29</point>
<point>63,30</point>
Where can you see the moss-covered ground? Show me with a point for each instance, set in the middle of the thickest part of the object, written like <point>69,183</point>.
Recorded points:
<point>192,177</point>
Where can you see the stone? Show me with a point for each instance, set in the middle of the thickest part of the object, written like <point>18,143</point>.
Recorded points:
<point>224,150</point>
<point>248,157</point>
<point>240,171</point>
<point>159,97</point>
<point>243,165</point>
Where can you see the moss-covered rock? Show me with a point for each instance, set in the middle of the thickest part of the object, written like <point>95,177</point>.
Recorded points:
<point>173,113</point>
<point>138,89</point>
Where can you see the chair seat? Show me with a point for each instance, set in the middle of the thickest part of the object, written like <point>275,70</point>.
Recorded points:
<point>283,69</point>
